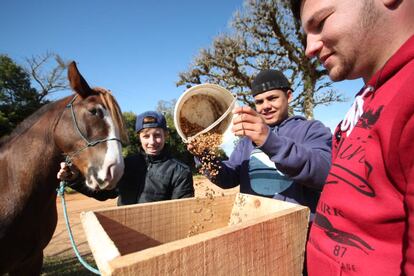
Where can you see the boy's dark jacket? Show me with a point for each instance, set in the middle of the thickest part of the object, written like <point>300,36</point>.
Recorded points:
<point>147,179</point>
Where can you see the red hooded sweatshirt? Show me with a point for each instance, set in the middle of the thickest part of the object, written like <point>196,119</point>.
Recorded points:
<point>364,223</point>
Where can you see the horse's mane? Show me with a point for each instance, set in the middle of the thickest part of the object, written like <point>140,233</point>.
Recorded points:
<point>113,107</point>
<point>28,122</point>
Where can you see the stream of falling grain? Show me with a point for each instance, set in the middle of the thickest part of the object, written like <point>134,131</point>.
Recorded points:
<point>206,148</point>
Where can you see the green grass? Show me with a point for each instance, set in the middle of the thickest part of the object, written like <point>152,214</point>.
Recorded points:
<point>67,266</point>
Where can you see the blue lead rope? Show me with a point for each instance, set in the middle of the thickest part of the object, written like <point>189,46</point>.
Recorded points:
<point>61,193</point>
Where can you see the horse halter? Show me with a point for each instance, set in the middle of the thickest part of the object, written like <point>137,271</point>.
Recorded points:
<point>89,144</point>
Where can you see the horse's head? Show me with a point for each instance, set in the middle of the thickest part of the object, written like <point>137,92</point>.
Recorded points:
<point>90,132</point>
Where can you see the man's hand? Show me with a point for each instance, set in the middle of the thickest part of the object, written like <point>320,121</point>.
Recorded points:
<point>249,123</point>
<point>67,173</point>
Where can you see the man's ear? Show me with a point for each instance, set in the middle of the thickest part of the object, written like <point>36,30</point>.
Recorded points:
<point>289,95</point>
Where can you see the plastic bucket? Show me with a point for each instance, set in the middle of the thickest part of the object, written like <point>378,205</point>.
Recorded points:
<point>203,108</point>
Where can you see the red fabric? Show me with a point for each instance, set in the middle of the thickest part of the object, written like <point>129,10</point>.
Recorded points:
<point>365,223</point>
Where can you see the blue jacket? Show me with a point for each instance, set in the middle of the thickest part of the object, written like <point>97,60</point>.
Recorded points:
<point>300,151</point>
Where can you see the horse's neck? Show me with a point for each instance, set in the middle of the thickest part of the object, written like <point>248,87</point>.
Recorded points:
<point>30,162</point>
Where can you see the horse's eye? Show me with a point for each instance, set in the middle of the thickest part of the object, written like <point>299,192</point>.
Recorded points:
<point>96,112</point>
<point>93,111</point>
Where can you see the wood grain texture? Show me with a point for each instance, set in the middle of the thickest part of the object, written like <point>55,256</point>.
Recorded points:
<point>103,248</point>
<point>234,234</point>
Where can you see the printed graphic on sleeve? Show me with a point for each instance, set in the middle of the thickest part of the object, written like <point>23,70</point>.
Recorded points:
<point>265,179</point>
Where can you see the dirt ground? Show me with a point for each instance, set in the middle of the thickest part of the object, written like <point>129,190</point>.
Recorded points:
<point>76,203</point>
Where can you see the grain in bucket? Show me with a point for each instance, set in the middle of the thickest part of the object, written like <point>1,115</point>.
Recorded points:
<point>203,117</point>
<point>203,108</point>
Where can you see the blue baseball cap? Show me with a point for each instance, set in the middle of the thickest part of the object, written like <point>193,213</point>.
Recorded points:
<point>150,119</point>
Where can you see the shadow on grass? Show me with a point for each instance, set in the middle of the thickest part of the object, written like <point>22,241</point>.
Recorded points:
<point>67,266</point>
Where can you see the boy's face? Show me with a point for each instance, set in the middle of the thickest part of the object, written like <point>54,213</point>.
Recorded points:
<point>152,140</point>
<point>273,106</point>
<point>341,34</point>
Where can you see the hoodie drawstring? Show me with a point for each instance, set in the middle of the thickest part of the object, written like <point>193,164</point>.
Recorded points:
<point>355,112</point>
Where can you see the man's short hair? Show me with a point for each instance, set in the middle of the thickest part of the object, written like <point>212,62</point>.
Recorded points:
<point>295,5</point>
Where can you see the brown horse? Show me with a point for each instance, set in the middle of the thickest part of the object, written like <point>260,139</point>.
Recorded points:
<point>88,128</point>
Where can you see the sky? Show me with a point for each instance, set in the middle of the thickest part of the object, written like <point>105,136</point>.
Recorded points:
<point>134,48</point>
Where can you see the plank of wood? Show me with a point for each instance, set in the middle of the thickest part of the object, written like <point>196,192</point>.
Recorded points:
<point>260,247</point>
<point>246,207</point>
<point>136,227</point>
<point>102,246</point>
<point>238,234</point>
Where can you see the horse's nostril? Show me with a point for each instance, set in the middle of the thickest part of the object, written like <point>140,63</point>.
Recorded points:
<point>101,183</point>
<point>109,173</point>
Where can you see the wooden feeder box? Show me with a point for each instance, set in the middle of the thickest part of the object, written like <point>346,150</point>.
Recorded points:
<point>234,234</point>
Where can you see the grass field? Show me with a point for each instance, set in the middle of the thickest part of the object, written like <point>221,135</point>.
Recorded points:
<point>66,266</point>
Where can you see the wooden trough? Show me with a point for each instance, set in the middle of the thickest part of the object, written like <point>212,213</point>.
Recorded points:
<point>235,234</point>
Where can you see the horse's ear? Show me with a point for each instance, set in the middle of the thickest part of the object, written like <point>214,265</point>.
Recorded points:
<point>77,82</point>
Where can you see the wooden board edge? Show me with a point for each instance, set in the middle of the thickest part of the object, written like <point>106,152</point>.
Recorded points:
<point>102,247</point>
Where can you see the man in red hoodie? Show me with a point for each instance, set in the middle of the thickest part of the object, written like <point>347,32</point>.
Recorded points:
<point>364,223</point>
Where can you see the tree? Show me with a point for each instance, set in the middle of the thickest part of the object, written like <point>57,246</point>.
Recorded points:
<point>18,99</point>
<point>49,81</point>
<point>264,36</point>
<point>134,145</point>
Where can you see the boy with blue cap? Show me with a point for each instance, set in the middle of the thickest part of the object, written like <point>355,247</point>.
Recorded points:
<point>152,174</point>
